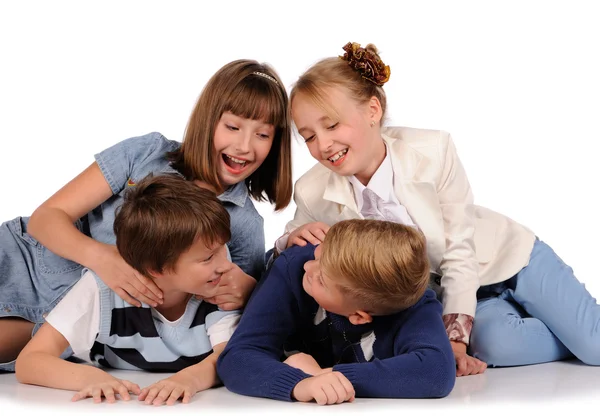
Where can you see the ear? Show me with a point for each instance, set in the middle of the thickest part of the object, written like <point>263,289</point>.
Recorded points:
<point>360,317</point>
<point>375,113</point>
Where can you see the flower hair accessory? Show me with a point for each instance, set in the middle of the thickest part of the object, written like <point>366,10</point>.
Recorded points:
<point>368,64</point>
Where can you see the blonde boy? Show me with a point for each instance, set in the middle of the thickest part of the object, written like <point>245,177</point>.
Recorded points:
<point>355,315</point>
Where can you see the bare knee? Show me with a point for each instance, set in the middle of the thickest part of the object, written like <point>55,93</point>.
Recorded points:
<point>14,335</point>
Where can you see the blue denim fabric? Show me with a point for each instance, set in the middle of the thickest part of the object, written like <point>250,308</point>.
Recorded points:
<point>33,279</point>
<point>542,314</point>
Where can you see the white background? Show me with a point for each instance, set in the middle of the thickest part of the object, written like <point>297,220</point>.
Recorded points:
<point>516,83</point>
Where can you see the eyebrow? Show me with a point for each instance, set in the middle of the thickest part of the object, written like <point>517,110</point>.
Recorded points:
<point>321,119</point>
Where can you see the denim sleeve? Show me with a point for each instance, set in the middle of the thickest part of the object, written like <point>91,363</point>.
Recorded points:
<point>247,244</point>
<point>120,162</point>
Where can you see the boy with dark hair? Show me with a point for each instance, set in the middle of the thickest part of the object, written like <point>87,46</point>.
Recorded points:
<point>175,232</point>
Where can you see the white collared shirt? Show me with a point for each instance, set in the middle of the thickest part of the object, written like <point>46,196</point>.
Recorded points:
<point>382,183</point>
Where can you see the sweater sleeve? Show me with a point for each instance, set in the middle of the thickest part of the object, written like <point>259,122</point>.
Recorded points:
<point>423,364</point>
<point>250,364</point>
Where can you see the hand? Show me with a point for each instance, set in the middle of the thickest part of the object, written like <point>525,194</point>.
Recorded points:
<point>313,233</point>
<point>329,388</point>
<point>466,364</point>
<point>234,289</point>
<point>108,389</point>
<point>128,283</point>
<point>170,390</point>
<point>305,363</point>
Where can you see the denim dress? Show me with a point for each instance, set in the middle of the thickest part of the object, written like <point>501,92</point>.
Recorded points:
<point>33,279</point>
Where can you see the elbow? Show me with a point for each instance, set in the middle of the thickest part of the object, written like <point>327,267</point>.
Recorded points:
<point>21,369</point>
<point>36,221</point>
<point>443,373</point>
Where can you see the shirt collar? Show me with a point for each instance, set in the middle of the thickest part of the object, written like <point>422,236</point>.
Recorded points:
<point>236,194</point>
<point>381,182</point>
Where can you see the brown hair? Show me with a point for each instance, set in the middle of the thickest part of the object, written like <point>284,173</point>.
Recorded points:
<point>162,217</point>
<point>236,88</point>
<point>336,72</point>
<point>380,264</point>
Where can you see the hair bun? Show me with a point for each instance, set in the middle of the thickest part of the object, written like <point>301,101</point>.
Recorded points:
<point>367,62</point>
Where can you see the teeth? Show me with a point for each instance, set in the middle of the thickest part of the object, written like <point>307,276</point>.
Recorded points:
<point>233,159</point>
<point>337,156</point>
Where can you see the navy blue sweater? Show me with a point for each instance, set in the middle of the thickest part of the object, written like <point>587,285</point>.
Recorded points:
<point>404,355</point>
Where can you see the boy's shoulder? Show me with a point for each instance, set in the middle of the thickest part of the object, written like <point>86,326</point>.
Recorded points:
<point>296,256</point>
<point>428,302</point>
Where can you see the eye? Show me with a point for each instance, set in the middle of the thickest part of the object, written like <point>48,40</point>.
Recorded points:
<point>309,139</point>
<point>334,126</point>
<point>209,258</point>
<point>264,136</point>
<point>231,127</point>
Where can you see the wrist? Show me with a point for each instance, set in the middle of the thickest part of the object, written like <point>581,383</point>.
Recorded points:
<point>96,254</point>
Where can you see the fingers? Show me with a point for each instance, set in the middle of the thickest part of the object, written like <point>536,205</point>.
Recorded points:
<point>348,386</point>
<point>131,387</point>
<point>334,388</point>
<point>467,365</point>
<point>297,241</point>
<point>152,393</point>
<point>461,366</point>
<point>142,293</point>
<point>153,292</point>
<point>83,394</point>
<point>125,296</point>
<point>163,395</point>
<point>97,394</point>
<point>133,292</point>
<point>483,367</point>
<point>310,237</point>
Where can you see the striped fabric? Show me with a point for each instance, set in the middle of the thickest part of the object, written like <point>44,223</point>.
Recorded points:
<point>133,338</point>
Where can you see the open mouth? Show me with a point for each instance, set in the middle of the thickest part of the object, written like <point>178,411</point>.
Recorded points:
<point>235,164</point>
<point>338,157</point>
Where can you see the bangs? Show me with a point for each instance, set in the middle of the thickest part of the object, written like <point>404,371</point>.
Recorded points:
<point>317,96</point>
<point>259,99</point>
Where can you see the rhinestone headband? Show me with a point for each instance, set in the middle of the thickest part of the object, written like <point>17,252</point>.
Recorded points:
<point>266,76</point>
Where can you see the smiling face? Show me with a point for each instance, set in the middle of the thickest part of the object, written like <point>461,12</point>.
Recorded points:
<point>349,143</point>
<point>242,145</point>
<point>325,289</point>
<point>197,271</point>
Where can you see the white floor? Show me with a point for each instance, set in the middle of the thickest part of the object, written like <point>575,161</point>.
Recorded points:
<point>561,387</point>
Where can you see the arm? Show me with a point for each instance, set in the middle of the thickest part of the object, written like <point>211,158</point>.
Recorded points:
<point>52,224</point>
<point>422,366</point>
<point>39,363</point>
<point>250,364</point>
<point>75,322</point>
<point>460,279</point>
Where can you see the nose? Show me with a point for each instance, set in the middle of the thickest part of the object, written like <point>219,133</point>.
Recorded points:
<point>307,266</point>
<point>324,142</point>
<point>242,145</point>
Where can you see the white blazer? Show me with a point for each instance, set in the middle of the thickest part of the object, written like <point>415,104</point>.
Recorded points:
<point>467,245</point>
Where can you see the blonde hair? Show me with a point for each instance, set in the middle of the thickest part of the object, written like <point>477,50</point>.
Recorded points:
<point>380,264</point>
<point>249,90</point>
<point>334,72</point>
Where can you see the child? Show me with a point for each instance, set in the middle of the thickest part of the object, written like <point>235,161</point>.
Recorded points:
<point>358,310</point>
<point>237,141</point>
<point>527,305</point>
<point>172,231</point>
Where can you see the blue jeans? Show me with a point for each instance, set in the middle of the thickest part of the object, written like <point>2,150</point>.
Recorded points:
<point>542,314</point>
